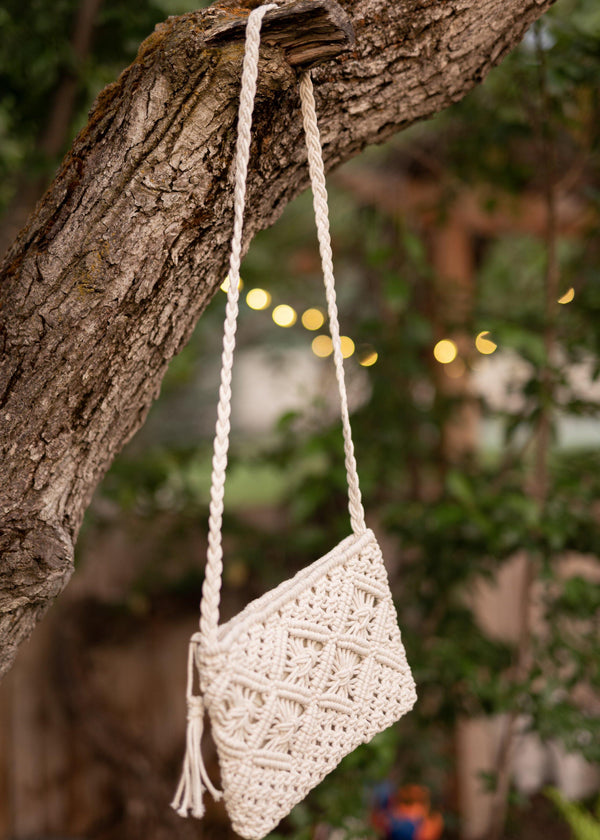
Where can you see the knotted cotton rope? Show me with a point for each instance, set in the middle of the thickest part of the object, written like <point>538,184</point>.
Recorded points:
<point>315,666</point>
<point>189,795</point>
<point>209,607</point>
<point>321,208</point>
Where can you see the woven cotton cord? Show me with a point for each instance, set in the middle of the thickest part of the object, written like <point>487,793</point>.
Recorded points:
<point>321,208</point>
<point>211,589</point>
<point>209,607</point>
<point>190,791</point>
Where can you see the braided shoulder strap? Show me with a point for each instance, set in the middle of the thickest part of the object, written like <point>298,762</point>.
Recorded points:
<point>209,607</point>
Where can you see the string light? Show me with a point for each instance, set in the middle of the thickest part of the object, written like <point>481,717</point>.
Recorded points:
<point>225,284</point>
<point>568,296</point>
<point>284,315</point>
<point>456,369</point>
<point>485,345</point>
<point>367,355</point>
<point>322,346</point>
<point>445,351</point>
<point>313,319</point>
<point>347,346</point>
<point>258,299</point>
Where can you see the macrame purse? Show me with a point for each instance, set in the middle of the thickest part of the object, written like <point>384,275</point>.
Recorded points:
<point>315,667</point>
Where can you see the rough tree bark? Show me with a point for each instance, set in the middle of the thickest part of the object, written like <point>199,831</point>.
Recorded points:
<point>120,257</point>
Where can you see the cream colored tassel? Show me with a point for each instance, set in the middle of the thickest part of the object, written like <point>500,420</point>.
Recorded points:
<point>194,777</point>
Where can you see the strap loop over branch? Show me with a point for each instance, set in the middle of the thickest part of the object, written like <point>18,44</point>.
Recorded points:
<point>209,607</point>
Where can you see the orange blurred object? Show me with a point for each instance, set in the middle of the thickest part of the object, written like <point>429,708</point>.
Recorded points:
<point>405,814</point>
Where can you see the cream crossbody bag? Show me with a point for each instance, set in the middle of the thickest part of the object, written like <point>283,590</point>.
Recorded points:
<point>315,667</point>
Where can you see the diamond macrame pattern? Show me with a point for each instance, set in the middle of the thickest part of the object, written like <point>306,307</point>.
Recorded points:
<point>302,676</point>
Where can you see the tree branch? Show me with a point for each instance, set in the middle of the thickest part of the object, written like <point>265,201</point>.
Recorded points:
<point>105,284</point>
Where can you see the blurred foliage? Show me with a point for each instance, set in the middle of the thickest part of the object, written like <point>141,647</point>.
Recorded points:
<point>450,521</point>
<point>584,825</point>
<point>36,56</point>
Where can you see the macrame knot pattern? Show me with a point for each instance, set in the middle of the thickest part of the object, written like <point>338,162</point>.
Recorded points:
<point>301,677</point>
<point>302,655</point>
<point>238,711</point>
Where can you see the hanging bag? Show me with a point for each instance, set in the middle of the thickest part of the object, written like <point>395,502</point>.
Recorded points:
<point>315,667</point>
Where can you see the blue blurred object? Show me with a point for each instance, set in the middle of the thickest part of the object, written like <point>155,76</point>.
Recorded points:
<point>402,829</point>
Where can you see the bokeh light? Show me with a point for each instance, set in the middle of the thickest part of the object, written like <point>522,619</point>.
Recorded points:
<point>258,299</point>
<point>484,344</point>
<point>284,315</point>
<point>445,351</point>
<point>368,357</point>
<point>225,284</point>
<point>347,346</point>
<point>313,319</point>
<point>456,369</point>
<point>322,346</point>
<point>568,296</point>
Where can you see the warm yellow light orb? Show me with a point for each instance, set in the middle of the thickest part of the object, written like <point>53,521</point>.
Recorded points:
<point>322,346</point>
<point>225,284</point>
<point>445,351</point>
<point>485,345</point>
<point>568,296</point>
<point>369,358</point>
<point>313,319</point>
<point>457,369</point>
<point>347,346</point>
<point>258,299</point>
<point>367,355</point>
<point>284,315</point>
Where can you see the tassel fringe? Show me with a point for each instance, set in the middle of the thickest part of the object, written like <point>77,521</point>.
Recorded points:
<point>189,797</point>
